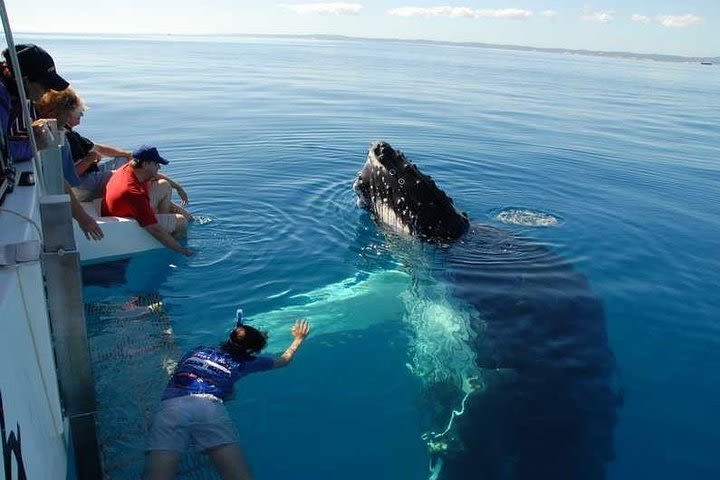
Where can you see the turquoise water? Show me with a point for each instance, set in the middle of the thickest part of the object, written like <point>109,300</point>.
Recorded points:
<point>616,160</point>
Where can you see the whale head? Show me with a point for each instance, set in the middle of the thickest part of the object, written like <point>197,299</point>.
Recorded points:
<point>400,196</point>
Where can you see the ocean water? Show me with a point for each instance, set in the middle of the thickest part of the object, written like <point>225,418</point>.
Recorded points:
<point>612,164</point>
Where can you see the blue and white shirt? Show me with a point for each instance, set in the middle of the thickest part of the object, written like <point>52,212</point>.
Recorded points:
<point>210,370</point>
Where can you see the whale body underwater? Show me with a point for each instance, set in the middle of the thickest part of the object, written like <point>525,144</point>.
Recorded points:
<point>549,402</point>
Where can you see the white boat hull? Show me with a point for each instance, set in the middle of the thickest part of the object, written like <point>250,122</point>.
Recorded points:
<point>123,238</point>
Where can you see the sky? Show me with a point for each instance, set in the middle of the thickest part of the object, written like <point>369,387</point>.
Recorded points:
<point>690,27</point>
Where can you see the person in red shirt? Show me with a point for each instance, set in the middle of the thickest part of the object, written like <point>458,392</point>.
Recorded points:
<point>131,193</point>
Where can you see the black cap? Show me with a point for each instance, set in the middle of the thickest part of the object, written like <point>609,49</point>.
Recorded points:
<point>38,66</point>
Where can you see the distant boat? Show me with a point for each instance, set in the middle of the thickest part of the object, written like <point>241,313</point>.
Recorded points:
<point>705,63</point>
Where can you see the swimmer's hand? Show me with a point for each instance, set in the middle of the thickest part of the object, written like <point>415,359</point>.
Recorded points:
<point>301,329</point>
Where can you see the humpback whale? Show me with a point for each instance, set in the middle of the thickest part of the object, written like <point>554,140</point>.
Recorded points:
<point>542,401</point>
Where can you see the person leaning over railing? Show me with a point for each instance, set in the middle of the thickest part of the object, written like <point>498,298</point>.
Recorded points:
<point>39,76</point>
<point>68,107</point>
<point>85,153</point>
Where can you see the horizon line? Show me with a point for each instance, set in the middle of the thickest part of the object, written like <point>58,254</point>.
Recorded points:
<point>579,51</point>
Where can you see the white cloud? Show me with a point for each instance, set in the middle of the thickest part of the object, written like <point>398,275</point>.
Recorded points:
<point>640,18</point>
<point>508,13</point>
<point>334,8</point>
<point>679,21</point>
<point>512,13</point>
<point>601,16</point>
<point>432,12</point>
<point>549,13</point>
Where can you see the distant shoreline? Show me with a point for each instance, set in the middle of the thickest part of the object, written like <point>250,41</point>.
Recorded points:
<point>498,46</point>
<point>593,53</point>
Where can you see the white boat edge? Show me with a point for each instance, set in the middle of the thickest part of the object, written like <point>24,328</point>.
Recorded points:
<point>123,238</point>
<point>36,432</point>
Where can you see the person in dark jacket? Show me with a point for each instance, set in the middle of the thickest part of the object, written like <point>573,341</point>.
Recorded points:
<point>39,76</point>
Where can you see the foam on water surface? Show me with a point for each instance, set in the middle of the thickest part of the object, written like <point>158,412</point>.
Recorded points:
<point>527,217</point>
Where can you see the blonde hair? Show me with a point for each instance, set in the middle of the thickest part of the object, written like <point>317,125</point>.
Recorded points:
<point>54,103</point>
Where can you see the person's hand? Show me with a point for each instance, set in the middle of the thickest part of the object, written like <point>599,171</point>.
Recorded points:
<point>41,132</point>
<point>90,228</point>
<point>183,196</point>
<point>301,329</point>
<point>92,157</point>
<point>126,154</point>
<point>188,252</point>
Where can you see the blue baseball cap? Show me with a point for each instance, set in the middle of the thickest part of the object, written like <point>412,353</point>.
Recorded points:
<point>149,154</point>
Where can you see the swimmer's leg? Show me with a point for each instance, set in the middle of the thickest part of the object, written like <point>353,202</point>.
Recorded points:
<point>161,465</point>
<point>230,462</point>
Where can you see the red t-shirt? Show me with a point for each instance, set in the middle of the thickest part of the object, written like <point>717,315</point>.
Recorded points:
<point>126,196</point>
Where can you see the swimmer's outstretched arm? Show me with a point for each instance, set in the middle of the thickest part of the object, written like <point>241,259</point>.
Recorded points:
<point>300,330</point>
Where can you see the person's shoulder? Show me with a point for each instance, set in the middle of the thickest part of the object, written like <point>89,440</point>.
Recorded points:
<point>5,97</point>
<point>119,178</point>
<point>201,351</point>
<point>5,89</point>
<point>206,349</point>
<point>121,172</point>
<point>126,177</point>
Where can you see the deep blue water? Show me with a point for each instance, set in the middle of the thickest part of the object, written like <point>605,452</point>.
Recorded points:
<point>267,135</point>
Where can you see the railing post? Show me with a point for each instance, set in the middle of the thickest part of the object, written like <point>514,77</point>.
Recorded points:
<point>51,161</point>
<point>63,283</point>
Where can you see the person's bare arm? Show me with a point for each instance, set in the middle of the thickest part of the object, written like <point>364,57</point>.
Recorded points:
<point>110,151</point>
<point>178,188</point>
<point>87,223</point>
<point>166,239</point>
<point>300,330</point>
<point>97,153</point>
<point>86,162</point>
